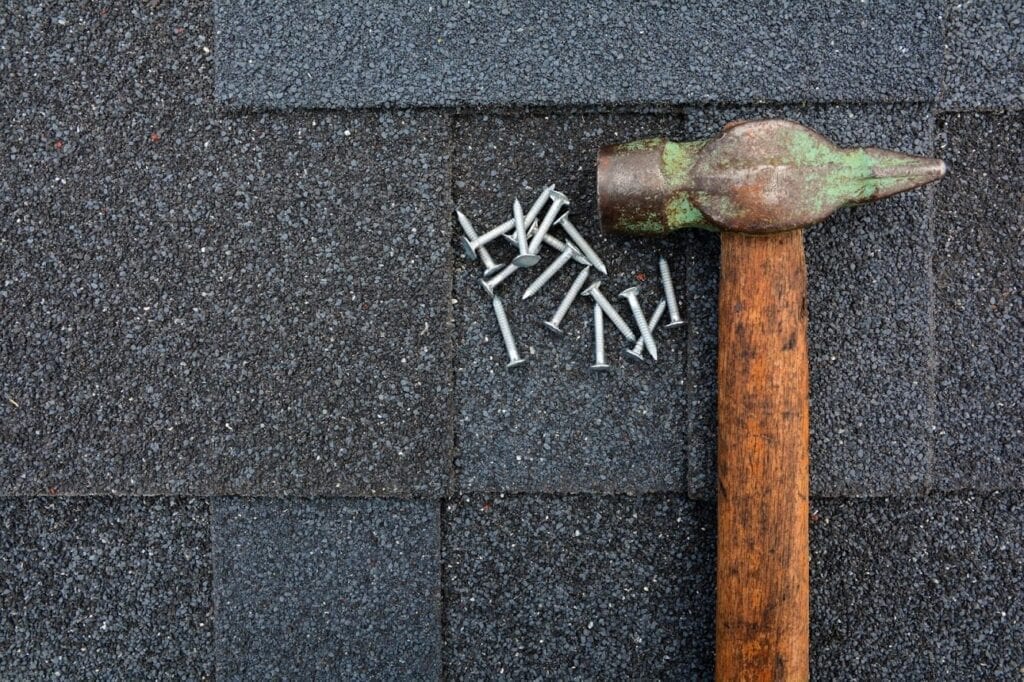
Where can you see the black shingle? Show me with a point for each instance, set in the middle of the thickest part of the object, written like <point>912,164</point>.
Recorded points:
<point>349,54</point>
<point>979,299</point>
<point>327,589</point>
<point>984,55</point>
<point>553,424</point>
<point>578,587</point>
<point>925,589</point>
<point>870,320</point>
<point>192,303</point>
<point>105,588</point>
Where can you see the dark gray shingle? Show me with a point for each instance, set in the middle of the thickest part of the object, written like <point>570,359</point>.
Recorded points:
<point>105,588</point>
<point>349,54</point>
<point>327,589</point>
<point>199,304</point>
<point>927,589</point>
<point>578,587</point>
<point>984,55</point>
<point>979,304</point>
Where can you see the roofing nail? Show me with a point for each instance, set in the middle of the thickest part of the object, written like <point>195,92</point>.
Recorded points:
<point>567,300</point>
<point>490,267</point>
<point>506,333</point>
<point>525,259</point>
<point>470,246</point>
<point>641,321</point>
<point>637,351</point>
<point>594,291</point>
<point>534,211</point>
<point>558,201</point>
<point>675,319</point>
<point>599,362</point>
<point>549,272</point>
<point>552,241</point>
<point>581,243</point>
<point>490,284</point>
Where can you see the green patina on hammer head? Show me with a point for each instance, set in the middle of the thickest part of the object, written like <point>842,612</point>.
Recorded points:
<point>756,177</point>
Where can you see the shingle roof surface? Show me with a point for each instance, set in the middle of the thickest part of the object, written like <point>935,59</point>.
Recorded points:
<point>326,589</point>
<point>180,289</point>
<point>591,586</point>
<point>208,300</point>
<point>984,55</point>
<point>978,261</point>
<point>98,587</point>
<point>496,53</point>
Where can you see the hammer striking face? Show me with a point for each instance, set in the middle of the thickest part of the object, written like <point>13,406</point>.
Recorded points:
<point>758,183</point>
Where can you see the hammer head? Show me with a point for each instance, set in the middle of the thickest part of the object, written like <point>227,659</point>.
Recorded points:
<point>756,177</point>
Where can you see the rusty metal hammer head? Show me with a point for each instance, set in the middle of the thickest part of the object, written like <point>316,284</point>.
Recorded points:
<point>755,177</point>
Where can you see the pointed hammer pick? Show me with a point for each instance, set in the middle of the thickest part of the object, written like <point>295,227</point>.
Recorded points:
<point>760,184</point>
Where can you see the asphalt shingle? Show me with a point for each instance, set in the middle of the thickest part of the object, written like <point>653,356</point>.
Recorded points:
<point>979,300</point>
<point>578,587</point>
<point>926,589</point>
<point>984,55</point>
<point>105,588</point>
<point>199,304</point>
<point>339,53</point>
<point>553,424</point>
<point>870,319</point>
<point>327,589</point>
<point>570,587</point>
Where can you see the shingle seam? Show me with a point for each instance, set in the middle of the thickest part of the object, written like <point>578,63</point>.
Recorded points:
<point>452,482</point>
<point>549,495</point>
<point>979,109</point>
<point>443,600</point>
<point>216,583</point>
<point>932,359</point>
<point>440,605</point>
<point>611,107</point>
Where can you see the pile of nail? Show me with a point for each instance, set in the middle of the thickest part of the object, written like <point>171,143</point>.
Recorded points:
<point>528,232</point>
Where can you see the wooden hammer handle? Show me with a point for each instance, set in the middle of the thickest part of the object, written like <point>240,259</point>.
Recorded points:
<point>763,481</point>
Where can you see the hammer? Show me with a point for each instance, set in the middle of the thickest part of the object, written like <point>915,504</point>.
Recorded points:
<point>759,184</point>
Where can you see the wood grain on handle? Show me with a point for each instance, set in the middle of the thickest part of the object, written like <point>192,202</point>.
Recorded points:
<point>761,626</point>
